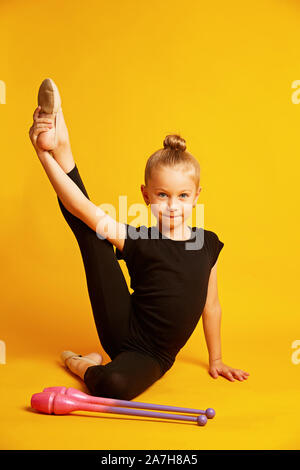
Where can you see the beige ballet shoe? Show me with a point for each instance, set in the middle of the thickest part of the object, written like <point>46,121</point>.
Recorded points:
<point>65,355</point>
<point>50,102</point>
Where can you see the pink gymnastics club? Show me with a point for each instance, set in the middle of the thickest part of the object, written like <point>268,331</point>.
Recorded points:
<point>56,403</point>
<point>78,395</point>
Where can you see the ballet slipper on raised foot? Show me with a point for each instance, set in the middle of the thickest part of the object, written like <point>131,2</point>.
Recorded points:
<point>50,102</point>
<point>65,355</point>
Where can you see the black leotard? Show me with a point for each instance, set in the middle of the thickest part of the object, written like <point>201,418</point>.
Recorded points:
<point>169,279</point>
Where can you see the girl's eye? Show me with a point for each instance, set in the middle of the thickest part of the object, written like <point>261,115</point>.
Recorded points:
<point>183,194</point>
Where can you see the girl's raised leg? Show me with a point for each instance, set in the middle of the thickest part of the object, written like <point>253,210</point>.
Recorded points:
<point>107,287</point>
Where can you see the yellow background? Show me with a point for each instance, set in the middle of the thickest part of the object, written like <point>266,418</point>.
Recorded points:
<point>129,73</point>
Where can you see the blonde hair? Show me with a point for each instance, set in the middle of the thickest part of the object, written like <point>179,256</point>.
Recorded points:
<point>173,154</point>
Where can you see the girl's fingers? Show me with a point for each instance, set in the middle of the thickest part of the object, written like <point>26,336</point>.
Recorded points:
<point>43,119</point>
<point>38,130</point>
<point>43,124</point>
<point>36,112</point>
<point>230,376</point>
<point>214,373</point>
<point>239,375</point>
<point>244,374</point>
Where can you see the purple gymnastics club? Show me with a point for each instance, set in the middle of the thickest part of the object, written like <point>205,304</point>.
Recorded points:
<point>59,404</point>
<point>78,395</point>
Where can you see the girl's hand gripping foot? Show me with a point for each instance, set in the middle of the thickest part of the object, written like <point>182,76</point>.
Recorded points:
<point>40,126</point>
<point>54,138</point>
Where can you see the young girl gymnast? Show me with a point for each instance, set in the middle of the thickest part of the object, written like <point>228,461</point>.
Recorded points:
<point>172,267</point>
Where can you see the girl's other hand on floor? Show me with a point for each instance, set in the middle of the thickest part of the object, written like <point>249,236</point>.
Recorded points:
<point>39,125</point>
<point>217,368</point>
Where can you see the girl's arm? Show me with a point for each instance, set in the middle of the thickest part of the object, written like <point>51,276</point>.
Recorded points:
<point>68,192</point>
<point>211,318</point>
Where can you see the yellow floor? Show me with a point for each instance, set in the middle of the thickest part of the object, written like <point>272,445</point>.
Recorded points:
<point>262,413</point>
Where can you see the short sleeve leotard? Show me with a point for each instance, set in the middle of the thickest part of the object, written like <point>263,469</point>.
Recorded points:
<point>169,279</point>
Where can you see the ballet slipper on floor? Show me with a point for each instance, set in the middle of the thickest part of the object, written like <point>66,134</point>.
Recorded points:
<point>65,355</point>
<point>50,102</point>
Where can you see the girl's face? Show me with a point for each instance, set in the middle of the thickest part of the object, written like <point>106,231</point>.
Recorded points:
<point>172,195</point>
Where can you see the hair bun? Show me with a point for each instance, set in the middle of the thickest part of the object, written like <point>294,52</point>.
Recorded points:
<point>175,142</point>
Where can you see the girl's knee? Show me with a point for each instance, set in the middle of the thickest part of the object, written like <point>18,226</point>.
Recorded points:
<point>119,386</point>
<point>110,384</point>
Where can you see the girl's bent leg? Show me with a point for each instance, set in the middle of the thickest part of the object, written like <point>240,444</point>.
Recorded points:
<point>124,378</point>
<point>107,287</point>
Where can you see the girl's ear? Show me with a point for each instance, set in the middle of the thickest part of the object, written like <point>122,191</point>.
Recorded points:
<point>145,194</point>
<point>196,196</point>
